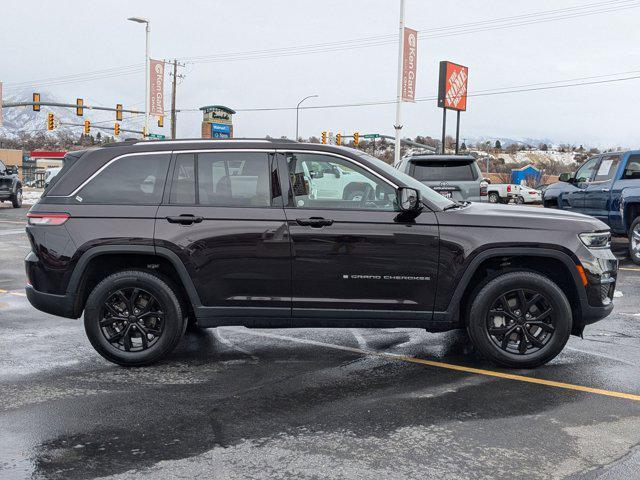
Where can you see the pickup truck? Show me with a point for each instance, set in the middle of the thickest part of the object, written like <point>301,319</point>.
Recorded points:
<point>503,193</point>
<point>607,187</point>
<point>10,186</point>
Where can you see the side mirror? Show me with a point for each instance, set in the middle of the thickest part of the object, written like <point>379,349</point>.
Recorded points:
<point>336,172</point>
<point>487,180</point>
<point>316,174</point>
<point>408,199</point>
<point>566,177</point>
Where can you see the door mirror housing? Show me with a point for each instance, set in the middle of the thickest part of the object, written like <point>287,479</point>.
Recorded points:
<point>316,174</point>
<point>566,177</point>
<point>408,199</point>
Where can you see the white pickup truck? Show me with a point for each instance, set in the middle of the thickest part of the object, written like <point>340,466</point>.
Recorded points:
<point>505,192</point>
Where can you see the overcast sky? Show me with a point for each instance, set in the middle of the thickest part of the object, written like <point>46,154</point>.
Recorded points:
<point>52,39</point>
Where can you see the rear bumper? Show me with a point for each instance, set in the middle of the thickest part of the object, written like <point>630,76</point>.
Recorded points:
<point>60,305</point>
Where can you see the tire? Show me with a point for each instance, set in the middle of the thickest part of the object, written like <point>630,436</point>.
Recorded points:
<point>170,322</point>
<point>494,197</point>
<point>519,200</point>
<point>512,320</point>
<point>16,199</point>
<point>634,241</point>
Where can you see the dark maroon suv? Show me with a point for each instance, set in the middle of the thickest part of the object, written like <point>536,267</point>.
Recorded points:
<point>146,237</point>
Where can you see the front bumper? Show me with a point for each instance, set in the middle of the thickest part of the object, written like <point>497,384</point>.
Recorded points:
<point>601,269</point>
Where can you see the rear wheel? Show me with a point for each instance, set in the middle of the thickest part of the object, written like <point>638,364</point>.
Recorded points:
<point>133,318</point>
<point>16,199</point>
<point>494,197</point>
<point>634,241</point>
<point>520,320</point>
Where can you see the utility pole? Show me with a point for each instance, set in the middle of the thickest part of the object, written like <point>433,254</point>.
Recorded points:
<point>173,96</point>
<point>398,125</point>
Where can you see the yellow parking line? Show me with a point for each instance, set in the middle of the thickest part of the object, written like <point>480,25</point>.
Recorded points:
<point>3,291</point>
<point>630,269</point>
<point>18,294</point>
<point>450,366</point>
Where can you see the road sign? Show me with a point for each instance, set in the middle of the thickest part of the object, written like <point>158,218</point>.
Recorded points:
<point>371,135</point>
<point>155,135</point>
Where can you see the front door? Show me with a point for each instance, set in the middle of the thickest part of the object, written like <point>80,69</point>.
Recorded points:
<point>598,192</point>
<point>353,259</point>
<point>223,217</point>
<point>574,198</point>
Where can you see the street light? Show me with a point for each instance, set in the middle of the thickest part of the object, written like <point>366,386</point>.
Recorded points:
<point>146,70</point>
<point>298,113</point>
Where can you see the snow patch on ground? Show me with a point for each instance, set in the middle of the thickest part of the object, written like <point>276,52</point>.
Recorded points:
<point>29,197</point>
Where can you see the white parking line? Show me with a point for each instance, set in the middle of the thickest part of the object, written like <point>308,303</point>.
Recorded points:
<point>12,232</point>
<point>362,343</point>
<point>218,335</point>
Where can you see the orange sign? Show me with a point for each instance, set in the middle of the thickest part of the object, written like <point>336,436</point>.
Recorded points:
<point>452,89</point>
<point>409,59</point>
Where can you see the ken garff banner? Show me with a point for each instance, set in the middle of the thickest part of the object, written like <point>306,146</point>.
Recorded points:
<point>409,60</point>
<point>156,89</point>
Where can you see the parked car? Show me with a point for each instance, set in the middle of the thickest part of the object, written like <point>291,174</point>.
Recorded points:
<point>49,174</point>
<point>456,177</point>
<point>145,237</point>
<point>10,186</point>
<point>606,187</point>
<point>528,195</point>
<point>502,192</point>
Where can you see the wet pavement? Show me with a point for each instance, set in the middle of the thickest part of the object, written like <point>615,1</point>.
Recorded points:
<point>311,403</point>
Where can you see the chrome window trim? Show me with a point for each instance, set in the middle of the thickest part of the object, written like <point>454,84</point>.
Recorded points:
<point>177,142</point>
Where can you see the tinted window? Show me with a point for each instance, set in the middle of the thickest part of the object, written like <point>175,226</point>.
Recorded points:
<point>632,171</point>
<point>324,181</point>
<point>607,168</point>
<point>444,170</point>
<point>585,172</point>
<point>183,187</point>
<point>132,180</point>
<point>234,179</point>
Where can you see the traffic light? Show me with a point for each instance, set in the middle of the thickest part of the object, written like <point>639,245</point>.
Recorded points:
<point>79,109</point>
<point>116,129</point>
<point>50,121</point>
<point>119,112</point>
<point>87,127</point>
<point>324,138</point>
<point>356,139</point>
<point>338,139</point>
<point>161,122</point>
<point>36,99</point>
<point>145,133</point>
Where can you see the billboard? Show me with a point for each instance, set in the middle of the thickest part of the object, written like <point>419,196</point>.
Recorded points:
<point>219,130</point>
<point>156,88</point>
<point>452,88</point>
<point>409,59</point>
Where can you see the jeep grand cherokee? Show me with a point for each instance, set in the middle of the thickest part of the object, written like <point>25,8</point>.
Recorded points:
<point>145,237</point>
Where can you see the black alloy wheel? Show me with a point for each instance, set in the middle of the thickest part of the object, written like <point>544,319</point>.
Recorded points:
<point>521,322</point>
<point>132,319</point>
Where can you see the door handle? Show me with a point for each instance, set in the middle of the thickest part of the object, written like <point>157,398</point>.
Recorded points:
<point>185,219</point>
<point>605,190</point>
<point>315,222</point>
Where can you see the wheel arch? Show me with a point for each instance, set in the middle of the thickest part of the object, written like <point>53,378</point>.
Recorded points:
<point>101,261</point>
<point>631,211</point>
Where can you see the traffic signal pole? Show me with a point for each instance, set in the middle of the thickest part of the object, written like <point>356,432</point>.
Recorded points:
<point>398,125</point>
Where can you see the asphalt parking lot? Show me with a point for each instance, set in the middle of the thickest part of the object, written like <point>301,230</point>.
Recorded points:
<point>312,403</point>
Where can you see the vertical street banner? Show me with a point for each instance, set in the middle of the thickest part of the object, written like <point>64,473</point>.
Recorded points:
<point>156,88</point>
<point>452,88</point>
<point>409,60</point>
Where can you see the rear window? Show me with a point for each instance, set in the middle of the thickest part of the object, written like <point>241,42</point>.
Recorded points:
<point>444,170</point>
<point>67,162</point>
<point>130,180</point>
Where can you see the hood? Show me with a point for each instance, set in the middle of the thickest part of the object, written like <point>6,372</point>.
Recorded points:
<point>508,216</point>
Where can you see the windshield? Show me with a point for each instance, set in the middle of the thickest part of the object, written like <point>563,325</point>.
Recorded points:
<point>425,192</point>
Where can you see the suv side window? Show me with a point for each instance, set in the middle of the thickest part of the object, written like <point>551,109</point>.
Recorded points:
<point>183,190</point>
<point>585,172</point>
<point>234,179</point>
<point>130,180</point>
<point>608,168</point>
<point>328,182</point>
<point>632,170</point>
<point>2,167</point>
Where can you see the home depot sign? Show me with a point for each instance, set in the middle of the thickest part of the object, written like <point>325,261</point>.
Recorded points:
<point>452,88</point>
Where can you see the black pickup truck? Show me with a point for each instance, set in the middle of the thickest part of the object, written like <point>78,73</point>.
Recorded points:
<point>10,186</point>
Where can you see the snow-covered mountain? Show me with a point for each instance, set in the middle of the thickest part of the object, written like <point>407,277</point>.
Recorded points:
<point>506,141</point>
<point>18,120</point>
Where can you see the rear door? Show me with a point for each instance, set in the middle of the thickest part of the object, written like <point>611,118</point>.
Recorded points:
<point>223,217</point>
<point>597,194</point>
<point>454,179</point>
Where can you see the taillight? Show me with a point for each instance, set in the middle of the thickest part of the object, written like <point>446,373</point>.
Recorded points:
<point>508,188</point>
<point>483,189</point>
<point>533,193</point>
<point>47,218</point>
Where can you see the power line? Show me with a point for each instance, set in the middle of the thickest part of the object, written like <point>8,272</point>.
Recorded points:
<point>365,42</point>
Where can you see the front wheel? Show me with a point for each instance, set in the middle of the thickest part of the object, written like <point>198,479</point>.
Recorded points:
<point>133,318</point>
<point>520,320</point>
<point>16,200</point>
<point>634,241</point>
<point>519,200</point>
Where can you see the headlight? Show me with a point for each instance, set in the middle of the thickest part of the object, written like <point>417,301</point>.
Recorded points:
<point>596,240</point>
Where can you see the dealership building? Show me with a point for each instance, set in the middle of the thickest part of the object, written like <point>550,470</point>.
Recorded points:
<point>217,121</point>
